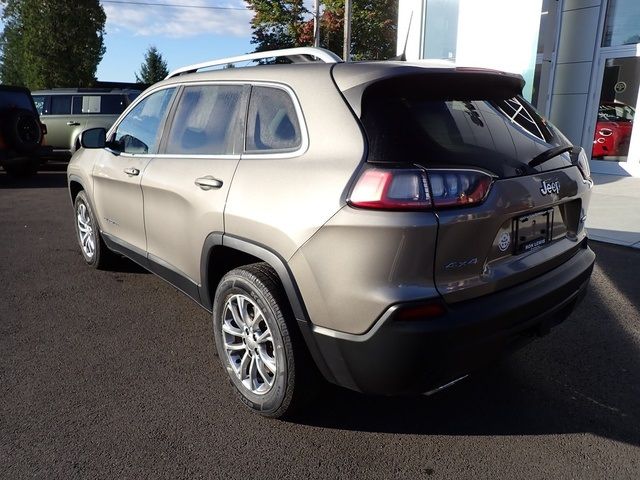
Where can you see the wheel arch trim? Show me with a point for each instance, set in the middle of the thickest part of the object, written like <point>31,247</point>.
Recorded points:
<point>286,277</point>
<point>259,251</point>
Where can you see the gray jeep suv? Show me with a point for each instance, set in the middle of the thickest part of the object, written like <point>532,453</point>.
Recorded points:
<point>391,225</point>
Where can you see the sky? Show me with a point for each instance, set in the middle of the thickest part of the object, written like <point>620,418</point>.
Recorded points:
<point>183,31</point>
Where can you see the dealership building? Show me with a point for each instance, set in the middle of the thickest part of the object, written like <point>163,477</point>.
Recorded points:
<point>580,60</point>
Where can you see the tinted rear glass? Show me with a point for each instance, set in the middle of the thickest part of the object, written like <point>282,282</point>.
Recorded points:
<point>15,100</point>
<point>113,104</point>
<point>60,105</point>
<point>500,135</point>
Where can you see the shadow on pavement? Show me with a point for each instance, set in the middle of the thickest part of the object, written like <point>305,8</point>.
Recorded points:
<point>122,264</point>
<point>583,377</point>
<point>50,175</point>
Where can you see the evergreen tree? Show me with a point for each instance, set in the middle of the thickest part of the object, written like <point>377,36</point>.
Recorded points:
<point>51,43</point>
<point>153,69</point>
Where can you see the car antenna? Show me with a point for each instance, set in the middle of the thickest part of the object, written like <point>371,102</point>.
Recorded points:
<point>403,56</point>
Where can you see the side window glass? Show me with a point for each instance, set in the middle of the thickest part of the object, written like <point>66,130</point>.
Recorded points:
<point>76,105</point>
<point>272,123</point>
<point>91,104</point>
<point>206,121</point>
<point>60,104</point>
<point>113,104</point>
<point>138,132</point>
<point>39,102</point>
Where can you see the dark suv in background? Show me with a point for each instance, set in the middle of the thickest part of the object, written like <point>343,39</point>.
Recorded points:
<point>21,132</point>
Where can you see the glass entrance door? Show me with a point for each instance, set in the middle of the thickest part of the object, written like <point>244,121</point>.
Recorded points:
<point>616,110</point>
<point>611,128</point>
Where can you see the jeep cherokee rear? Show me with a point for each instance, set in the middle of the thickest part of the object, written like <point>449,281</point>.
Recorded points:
<point>401,225</point>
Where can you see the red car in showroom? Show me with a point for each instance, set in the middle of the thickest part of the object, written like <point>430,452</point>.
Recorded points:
<point>613,130</point>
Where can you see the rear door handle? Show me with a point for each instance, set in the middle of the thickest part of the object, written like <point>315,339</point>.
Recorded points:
<point>131,171</point>
<point>208,182</point>
<point>71,123</point>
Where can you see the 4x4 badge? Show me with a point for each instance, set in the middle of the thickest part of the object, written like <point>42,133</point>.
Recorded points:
<point>549,187</point>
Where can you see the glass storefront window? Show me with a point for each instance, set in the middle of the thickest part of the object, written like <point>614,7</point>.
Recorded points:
<point>536,86</point>
<point>622,24</point>
<point>616,110</point>
<point>544,21</point>
<point>441,29</point>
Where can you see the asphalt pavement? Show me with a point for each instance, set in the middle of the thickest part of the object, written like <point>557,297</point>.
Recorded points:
<point>113,375</point>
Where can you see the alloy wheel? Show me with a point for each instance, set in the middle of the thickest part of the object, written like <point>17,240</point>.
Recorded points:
<point>85,231</point>
<point>248,344</point>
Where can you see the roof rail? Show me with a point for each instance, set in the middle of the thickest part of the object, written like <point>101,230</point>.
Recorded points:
<point>296,55</point>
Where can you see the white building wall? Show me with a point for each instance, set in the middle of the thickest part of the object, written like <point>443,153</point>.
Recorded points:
<point>574,63</point>
<point>410,24</point>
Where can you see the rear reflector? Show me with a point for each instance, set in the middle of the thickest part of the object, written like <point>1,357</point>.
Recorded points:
<point>422,311</point>
<point>418,189</point>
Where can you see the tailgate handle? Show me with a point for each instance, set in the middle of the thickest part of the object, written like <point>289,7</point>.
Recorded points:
<point>208,182</point>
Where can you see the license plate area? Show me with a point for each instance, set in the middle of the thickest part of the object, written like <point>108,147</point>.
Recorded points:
<point>532,231</point>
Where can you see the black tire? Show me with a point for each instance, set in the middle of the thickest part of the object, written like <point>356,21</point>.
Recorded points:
<point>261,285</point>
<point>22,130</point>
<point>102,257</point>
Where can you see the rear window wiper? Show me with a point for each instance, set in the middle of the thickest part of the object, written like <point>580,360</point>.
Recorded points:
<point>549,154</point>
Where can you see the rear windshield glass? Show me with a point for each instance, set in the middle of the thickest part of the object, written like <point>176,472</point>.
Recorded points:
<point>496,134</point>
<point>15,100</point>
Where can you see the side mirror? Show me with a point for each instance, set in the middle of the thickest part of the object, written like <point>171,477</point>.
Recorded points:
<point>94,138</point>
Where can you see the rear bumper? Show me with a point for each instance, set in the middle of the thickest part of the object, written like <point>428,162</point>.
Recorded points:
<point>415,356</point>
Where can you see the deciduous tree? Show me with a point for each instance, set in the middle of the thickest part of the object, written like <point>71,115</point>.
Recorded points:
<point>287,23</point>
<point>373,28</point>
<point>276,23</point>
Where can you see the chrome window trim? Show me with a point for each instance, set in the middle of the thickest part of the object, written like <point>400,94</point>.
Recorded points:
<point>269,154</point>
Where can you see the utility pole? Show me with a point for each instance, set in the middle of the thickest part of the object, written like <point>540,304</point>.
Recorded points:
<point>346,50</point>
<point>316,23</point>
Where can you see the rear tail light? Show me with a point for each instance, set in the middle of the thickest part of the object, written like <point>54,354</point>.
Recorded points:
<point>450,188</point>
<point>583,164</point>
<point>418,189</point>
